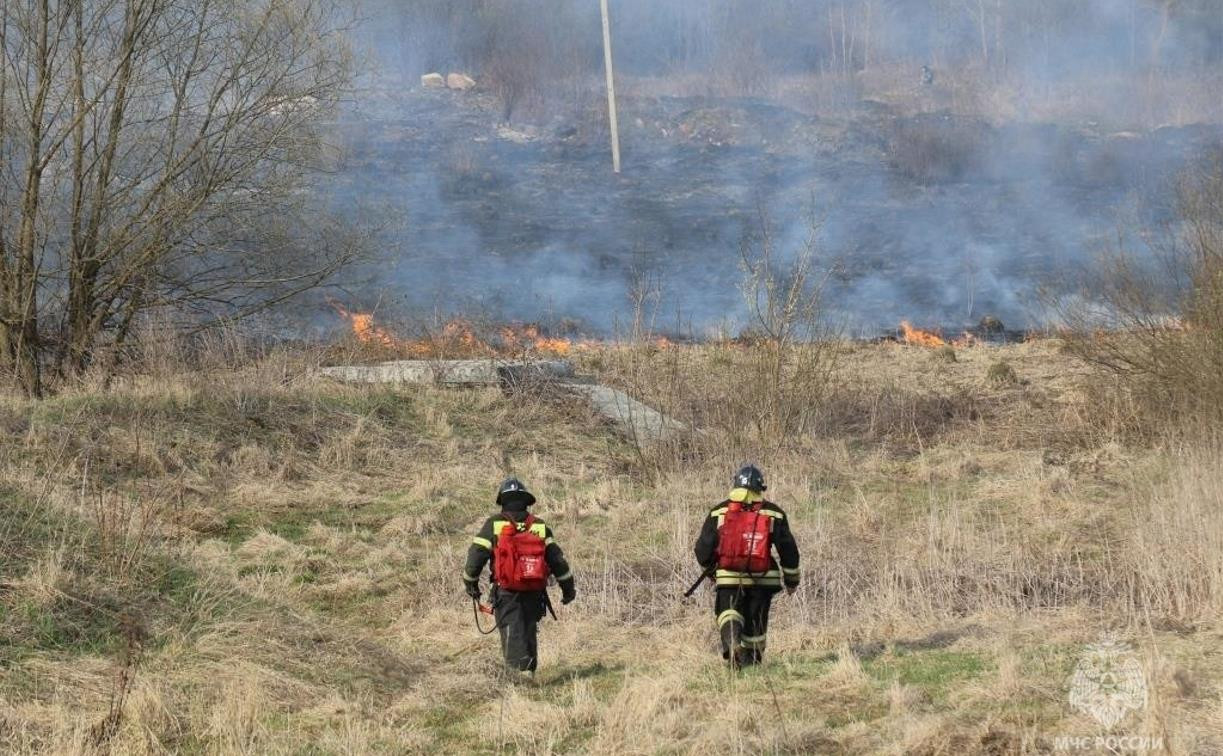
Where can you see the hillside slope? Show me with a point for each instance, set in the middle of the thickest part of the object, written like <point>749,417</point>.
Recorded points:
<point>254,560</point>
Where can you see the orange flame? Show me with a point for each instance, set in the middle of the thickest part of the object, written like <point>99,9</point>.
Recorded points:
<point>529,337</point>
<point>919,337</point>
<point>363,326</point>
<point>966,339</point>
<point>458,337</point>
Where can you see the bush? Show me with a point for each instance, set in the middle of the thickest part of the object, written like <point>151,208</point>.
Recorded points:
<point>935,149</point>
<point>1155,321</point>
<point>1001,374</point>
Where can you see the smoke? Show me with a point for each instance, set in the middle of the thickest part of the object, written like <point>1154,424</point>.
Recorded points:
<point>939,201</point>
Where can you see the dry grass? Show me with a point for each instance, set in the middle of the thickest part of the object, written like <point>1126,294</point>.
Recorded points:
<point>297,589</point>
<point>1154,327</point>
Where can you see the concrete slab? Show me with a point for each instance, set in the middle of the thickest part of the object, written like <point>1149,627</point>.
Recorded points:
<point>642,422</point>
<point>452,372</point>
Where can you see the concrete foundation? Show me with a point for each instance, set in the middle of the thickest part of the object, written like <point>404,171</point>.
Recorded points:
<point>641,422</point>
<point>452,372</point>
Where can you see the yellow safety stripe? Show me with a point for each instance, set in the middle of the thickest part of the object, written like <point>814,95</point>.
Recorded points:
<point>483,543</point>
<point>720,513</point>
<point>765,512</point>
<point>549,541</point>
<point>566,576</point>
<point>733,574</point>
<point>790,570</point>
<point>752,641</point>
<point>730,615</point>
<point>730,577</point>
<point>538,528</point>
<point>470,577</point>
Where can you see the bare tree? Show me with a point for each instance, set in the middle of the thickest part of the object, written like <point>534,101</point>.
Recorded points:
<point>784,286</point>
<point>153,155</point>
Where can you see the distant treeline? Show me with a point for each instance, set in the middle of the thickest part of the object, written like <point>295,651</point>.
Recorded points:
<point>1039,38</point>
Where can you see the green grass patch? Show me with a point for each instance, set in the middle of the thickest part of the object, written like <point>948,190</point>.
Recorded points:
<point>362,606</point>
<point>1050,661</point>
<point>364,519</point>
<point>782,671</point>
<point>293,524</point>
<point>393,407</point>
<point>239,526</point>
<point>25,529</point>
<point>557,684</point>
<point>868,712</point>
<point>59,409</point>
<point>935,672</point>
<point>448,722</point>
<point>798,668</point>
<point>85,610</point>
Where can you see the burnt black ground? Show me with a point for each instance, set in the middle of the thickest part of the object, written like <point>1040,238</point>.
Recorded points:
<point>934,218</point>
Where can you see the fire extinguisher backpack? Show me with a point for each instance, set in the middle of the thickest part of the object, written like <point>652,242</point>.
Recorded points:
<point>518,558</point>
<point>744,539</point>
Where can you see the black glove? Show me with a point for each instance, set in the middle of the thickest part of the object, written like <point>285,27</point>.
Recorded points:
<point>568,593</point>
<point>473,590</point>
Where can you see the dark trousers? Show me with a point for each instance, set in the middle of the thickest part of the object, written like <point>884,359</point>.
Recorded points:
<point>518,615</point>
<point>743,622</point>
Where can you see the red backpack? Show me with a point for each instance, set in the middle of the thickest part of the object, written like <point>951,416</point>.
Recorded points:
<point>743,541</point>
<point>518,558</point>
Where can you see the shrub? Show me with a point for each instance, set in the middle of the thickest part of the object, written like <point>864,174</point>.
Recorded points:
<point>1155,321</point>
<point>1001,374</point>
<point>935,149</point>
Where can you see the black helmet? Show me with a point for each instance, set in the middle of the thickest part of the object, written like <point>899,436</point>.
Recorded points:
<point>750,477</point>
<point>512,490</point>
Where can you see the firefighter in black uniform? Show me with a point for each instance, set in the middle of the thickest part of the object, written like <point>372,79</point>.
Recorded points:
<point>743,598</point>
<point>517,612</point>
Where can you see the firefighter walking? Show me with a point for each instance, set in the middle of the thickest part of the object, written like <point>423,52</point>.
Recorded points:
<point>521,552</point>
<point>736,543</point>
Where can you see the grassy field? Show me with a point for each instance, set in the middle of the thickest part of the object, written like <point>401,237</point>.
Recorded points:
<point>245,558</point>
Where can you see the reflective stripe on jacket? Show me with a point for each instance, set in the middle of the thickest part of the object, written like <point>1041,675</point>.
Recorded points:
<point>480,552</point>
<point>783,569</point>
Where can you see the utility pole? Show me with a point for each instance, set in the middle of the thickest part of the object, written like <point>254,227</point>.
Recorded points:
<point>611,89</point>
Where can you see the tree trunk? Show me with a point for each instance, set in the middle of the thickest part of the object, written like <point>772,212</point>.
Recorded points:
<point>80,317</point>
<point>22,332</point>
<point>984,33</point>
<point>86,255</point>
<point>22,356</point>
<point>866,35</point>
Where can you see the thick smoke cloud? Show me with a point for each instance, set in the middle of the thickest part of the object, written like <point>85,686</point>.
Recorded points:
<point>1046,123</point>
